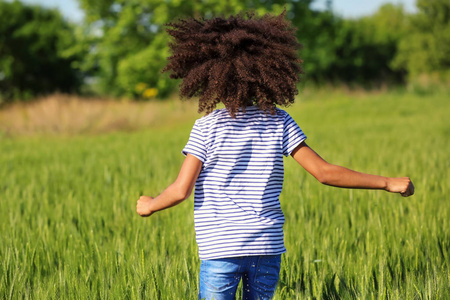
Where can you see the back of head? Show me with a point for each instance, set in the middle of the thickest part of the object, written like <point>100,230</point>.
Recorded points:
<point>239,61</point>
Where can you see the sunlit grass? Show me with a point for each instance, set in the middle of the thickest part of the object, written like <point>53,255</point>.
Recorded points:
<point>61,114</point>
<point>68,227</point>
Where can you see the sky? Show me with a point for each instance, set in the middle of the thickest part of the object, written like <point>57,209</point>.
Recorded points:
<point>344,8</point>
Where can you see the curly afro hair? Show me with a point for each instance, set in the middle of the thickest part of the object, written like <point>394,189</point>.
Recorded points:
<point>236,60</point>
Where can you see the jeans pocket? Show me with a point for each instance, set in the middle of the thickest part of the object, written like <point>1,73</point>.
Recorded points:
<point>268,272</point>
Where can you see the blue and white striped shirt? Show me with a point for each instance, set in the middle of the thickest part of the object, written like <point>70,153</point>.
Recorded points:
<point>237,210</point>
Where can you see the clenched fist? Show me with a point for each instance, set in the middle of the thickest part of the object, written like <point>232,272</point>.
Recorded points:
<point>143,206</point>
<point>402,185</point>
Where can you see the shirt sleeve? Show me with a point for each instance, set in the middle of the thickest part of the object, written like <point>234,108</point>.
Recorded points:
<point>196,144</point>
<point>292,135</point>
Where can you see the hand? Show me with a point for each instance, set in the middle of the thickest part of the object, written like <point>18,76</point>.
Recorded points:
<point>143,207</point>
<point>402,185</point>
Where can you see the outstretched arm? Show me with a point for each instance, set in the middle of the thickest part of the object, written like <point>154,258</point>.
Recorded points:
<point>338,176</point>
<point>176,193</point>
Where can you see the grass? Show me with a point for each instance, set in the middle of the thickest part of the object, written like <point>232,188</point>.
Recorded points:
<point>61,114</point>
<point>69,228</point>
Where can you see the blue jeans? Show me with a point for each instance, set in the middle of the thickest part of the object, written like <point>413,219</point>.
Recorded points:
<point>219,278</point>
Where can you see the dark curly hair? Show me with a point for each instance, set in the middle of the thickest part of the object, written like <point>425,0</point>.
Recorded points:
<point>236,60</point>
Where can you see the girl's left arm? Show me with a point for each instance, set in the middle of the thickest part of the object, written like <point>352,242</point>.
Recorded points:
<point>338,176</point>
<point>175,193</point>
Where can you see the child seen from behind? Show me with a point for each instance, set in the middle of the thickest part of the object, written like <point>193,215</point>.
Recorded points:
<point>234,155</point>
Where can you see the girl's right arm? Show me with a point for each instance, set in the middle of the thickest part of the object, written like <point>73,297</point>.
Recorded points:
<point>175,193</point>
<point>338,176</point>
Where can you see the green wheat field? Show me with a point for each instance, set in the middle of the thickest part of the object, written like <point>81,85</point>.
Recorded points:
<point>69,230</point>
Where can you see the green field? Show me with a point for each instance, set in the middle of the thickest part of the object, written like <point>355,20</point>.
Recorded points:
<point>69,230</point>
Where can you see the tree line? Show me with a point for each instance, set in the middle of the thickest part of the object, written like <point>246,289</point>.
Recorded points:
<point>121,46</point>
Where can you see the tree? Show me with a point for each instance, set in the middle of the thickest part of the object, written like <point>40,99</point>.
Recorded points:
<point>315,31</point>
<point>365,48</point>
<point>131,45</point>
<point>35,52</point>
<point>425,48</point>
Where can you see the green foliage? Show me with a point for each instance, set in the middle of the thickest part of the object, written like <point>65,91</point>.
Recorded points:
<point>121,47</point>
<point>69,229</point>
<point>131,45</point>
<point>356,51</point>
<point>315,31</point>
<point>426,46</point>
<point>145,67</point>
<point>35,52</point>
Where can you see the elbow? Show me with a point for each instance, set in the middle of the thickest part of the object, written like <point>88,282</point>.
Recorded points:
<point>182,193</point>
<point>323,179</point>
<point>324,176</point>
<point>180,196</point>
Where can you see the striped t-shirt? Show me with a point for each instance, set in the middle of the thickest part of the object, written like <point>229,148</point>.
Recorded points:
<point>237,210</point>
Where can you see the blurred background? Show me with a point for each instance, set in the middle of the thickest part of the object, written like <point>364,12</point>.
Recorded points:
<point>88,124</point>
<point>115,48</point>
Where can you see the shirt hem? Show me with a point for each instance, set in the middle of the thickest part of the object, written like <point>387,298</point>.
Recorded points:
<point>209,257</point>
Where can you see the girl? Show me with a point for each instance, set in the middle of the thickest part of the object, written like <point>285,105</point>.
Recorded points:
<point>234,155</point>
